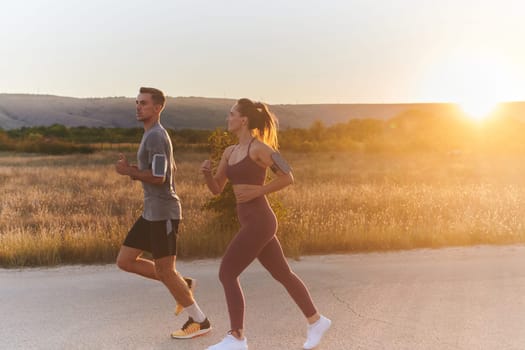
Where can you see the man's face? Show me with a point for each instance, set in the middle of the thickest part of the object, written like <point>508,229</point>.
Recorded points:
<point>146,109</point>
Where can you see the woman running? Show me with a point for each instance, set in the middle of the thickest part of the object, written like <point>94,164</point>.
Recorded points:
<point>244,165</point>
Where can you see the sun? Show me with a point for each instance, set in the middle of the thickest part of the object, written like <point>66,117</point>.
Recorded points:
<point>478,109</point>
<point>477,81</point>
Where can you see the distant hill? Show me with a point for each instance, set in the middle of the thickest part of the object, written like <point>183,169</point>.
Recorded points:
<point>19,110</point>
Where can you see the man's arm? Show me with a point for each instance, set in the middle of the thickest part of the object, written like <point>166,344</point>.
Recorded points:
<point>124,168</point>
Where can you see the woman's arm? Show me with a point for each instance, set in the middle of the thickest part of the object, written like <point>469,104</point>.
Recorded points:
<point>216,182</point>
<point>263,155</point>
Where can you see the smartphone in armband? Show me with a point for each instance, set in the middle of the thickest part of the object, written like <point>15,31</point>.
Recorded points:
<point>280,164</point>
<point>159,166</point>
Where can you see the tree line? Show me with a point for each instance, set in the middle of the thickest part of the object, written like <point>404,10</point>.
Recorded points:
<point>411,131</point>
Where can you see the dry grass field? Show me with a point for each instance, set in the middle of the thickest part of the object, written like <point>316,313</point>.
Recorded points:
<point>76,209</point>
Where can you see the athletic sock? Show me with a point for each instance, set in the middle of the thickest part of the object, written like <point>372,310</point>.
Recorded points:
<point>195,312</point>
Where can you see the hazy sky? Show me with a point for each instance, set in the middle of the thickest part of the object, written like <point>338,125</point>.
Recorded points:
<point>286,51</point>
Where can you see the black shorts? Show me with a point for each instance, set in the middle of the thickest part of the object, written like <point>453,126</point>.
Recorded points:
<point>153,237</point>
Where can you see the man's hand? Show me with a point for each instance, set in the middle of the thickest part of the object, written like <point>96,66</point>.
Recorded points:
<point>122,166</point>
<point>133,167</point>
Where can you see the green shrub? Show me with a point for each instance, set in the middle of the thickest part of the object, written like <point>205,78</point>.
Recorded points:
<point>224,204</point>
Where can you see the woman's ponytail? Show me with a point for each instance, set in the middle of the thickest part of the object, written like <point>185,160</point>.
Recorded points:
<point>260,119</point>
<point>268,125</point>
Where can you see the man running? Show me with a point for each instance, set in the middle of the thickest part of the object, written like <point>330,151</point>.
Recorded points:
<point>156,229</point>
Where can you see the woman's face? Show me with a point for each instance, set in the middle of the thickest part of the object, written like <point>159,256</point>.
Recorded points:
<point>235,120</point>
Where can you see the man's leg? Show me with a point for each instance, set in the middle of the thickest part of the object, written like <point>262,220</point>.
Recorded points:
<point>166,271</point>
<point>129,259</point>
<point>163,238</point>
<point>197,323</point>
<point>137,241</point>
<point>191,282</point>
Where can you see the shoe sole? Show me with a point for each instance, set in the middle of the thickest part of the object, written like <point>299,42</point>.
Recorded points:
<point>194,335</point>
<point>210,347</point>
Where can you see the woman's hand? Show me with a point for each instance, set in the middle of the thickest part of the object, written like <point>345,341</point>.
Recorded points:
<point>245,193</point>
<point>206,167</point>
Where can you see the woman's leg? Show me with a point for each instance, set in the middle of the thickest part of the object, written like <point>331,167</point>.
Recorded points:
<point>273,259</point>
<point>241,252</point>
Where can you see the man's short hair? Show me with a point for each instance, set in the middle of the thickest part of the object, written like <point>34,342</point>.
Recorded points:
<point>156,95</point>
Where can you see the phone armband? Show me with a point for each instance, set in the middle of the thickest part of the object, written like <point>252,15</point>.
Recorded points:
<point>159,166</point>
<point>279,164</point>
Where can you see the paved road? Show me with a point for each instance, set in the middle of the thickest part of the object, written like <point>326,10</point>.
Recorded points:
<point>456,298</point>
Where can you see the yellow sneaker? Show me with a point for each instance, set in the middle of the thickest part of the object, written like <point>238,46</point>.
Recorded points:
<point>191,285</point>
<point>192,329</point>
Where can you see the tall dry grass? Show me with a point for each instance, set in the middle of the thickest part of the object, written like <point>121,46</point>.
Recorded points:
<point>367,202</point>
<point>76,209</point>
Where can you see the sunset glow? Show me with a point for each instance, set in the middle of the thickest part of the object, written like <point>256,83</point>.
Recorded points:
<point>476,81</point>
<point>478,109</point>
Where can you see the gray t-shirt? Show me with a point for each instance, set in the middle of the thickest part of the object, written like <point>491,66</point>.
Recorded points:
<point>160,201</point>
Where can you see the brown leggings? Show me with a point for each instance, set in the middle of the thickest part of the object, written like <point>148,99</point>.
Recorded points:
<point>256,239</point>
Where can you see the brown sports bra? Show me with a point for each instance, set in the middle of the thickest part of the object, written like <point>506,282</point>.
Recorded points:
<point>246,171</point>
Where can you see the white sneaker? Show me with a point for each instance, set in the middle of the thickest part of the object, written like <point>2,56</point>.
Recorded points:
<point>230,343</point>
<point>315,332</point>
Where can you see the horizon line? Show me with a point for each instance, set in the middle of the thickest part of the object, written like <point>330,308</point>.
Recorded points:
<point>234,99</point>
